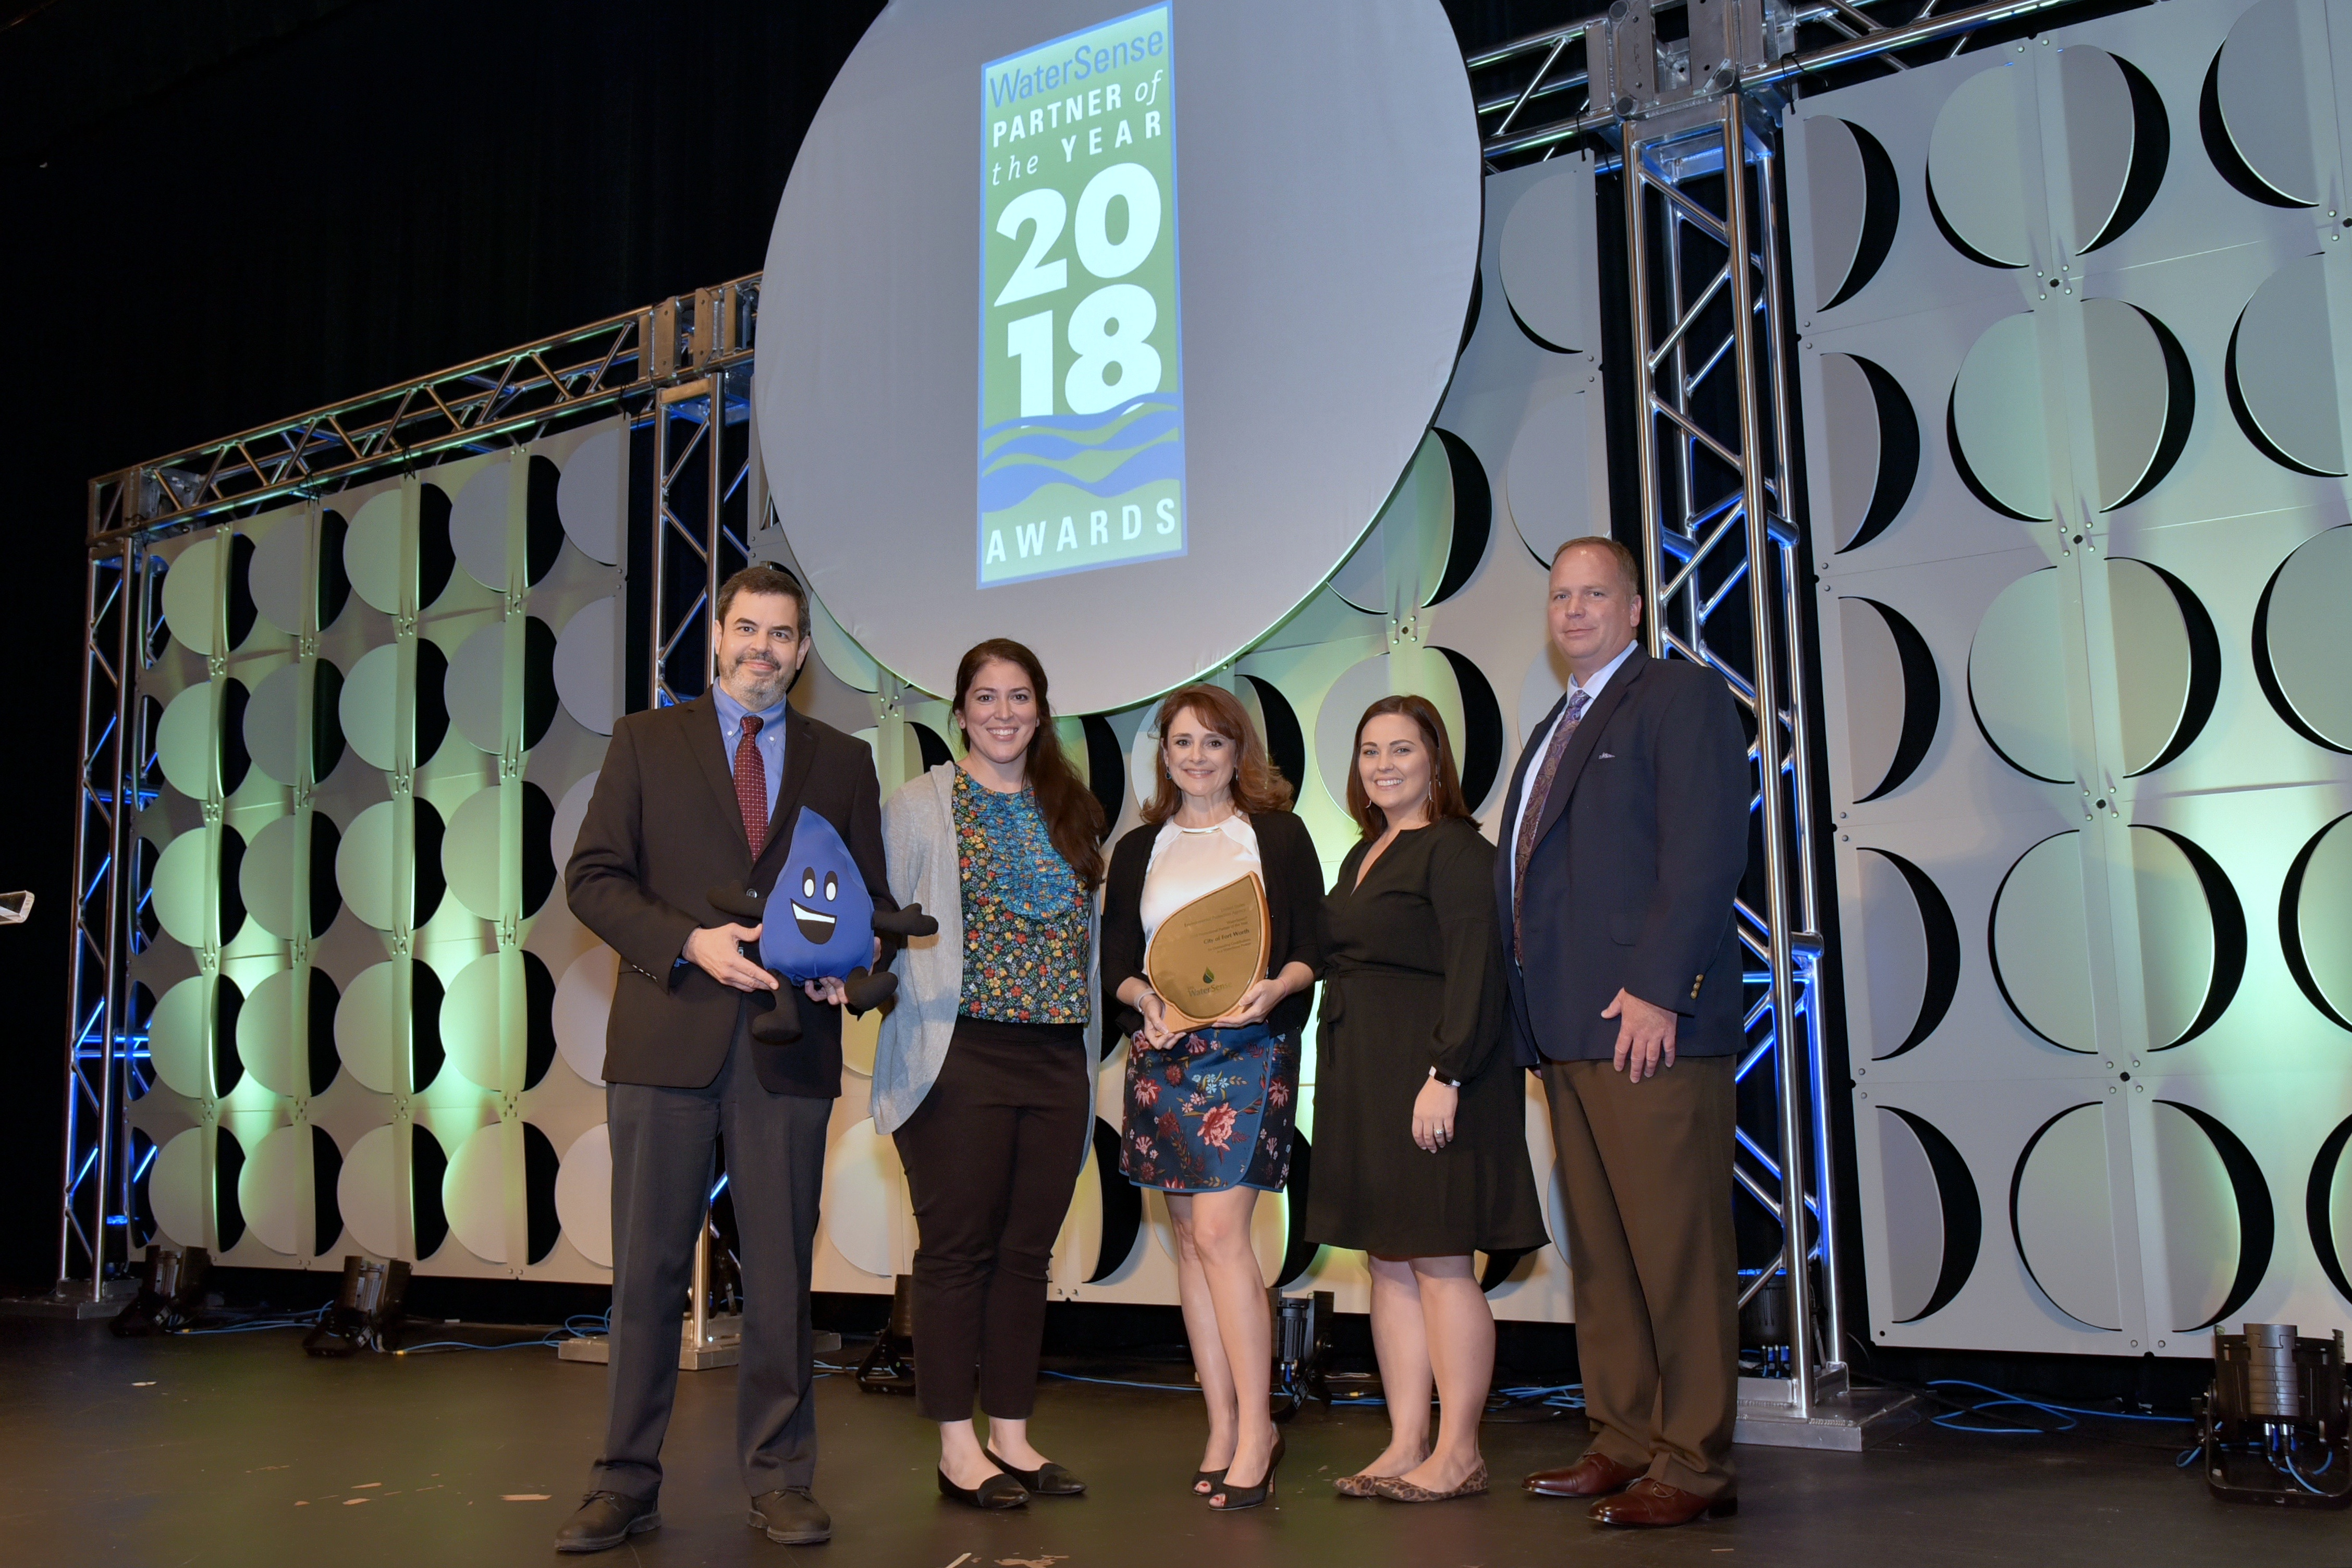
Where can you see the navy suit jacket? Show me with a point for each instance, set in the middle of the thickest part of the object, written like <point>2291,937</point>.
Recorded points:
<point>1643,842</point>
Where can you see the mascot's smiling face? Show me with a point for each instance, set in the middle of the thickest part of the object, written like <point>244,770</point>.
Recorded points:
<point>820,918</point>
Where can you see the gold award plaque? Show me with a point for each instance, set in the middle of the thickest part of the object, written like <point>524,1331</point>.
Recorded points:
<point>1205,955</point>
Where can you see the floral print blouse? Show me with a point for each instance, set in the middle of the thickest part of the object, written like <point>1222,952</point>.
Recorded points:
<point>1024,912</point>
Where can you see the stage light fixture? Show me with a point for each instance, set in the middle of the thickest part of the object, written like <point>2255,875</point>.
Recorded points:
<point>169,1297</point>
<point>367,1312</point>
<point>2276,1426</point>
<point>889,1367</point>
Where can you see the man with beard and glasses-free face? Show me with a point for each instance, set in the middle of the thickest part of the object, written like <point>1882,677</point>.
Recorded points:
<point>693,798</point>
<point>1623,839</point>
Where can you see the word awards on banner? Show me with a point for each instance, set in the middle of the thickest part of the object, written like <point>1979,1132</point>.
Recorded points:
<point>1081,391</point>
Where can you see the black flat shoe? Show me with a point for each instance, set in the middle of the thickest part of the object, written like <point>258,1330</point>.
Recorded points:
<point>1048,1480</point>
<point>1205,1482</point>
<point>999,1491</point>
<point>605,1520</point>
<point>1250,1497</point>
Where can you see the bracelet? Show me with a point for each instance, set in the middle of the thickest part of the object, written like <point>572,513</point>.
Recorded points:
<point>1441,1078</point>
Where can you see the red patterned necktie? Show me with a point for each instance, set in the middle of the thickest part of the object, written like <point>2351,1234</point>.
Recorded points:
<point>752,784</point>
<point>1538,792</point>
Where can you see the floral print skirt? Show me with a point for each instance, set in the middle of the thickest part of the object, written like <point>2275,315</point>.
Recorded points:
<point>1211,1111</point>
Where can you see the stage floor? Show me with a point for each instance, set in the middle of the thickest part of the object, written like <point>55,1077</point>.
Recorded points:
<point>237,1450</point>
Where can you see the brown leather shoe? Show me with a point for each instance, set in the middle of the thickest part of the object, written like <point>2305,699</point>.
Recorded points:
<point>1653,1502</point>
<point>1595,1475</point>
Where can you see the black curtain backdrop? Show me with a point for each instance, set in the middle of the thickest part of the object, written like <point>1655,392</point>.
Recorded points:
<point>216,214</point>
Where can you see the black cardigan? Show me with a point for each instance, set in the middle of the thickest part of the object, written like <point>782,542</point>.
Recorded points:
<point>1294,902</point>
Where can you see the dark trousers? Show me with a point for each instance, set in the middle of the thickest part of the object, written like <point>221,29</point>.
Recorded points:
<point>1647,1169</point>
<point>992,1156</point>
<point>663,1142</point>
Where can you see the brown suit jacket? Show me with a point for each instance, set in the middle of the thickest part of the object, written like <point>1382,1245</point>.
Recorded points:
<point>663,827</point>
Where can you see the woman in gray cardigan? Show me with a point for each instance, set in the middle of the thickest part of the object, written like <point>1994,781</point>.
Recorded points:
<point>983,1075</point>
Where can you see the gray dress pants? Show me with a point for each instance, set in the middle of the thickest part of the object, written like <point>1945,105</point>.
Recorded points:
<point>663,1162</point>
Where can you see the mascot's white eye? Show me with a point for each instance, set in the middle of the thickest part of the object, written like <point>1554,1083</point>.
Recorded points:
<point>832,887</point>
<point>808,883</point>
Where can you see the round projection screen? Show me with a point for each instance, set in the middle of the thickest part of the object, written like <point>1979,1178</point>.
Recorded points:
<point>1108,329</point>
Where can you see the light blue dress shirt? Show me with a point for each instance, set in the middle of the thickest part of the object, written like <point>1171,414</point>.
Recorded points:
<point>771,740</point>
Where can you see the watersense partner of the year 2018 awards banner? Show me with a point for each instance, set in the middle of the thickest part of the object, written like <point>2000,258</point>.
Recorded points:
<point>1081,342</point>
<point>1000,393</point>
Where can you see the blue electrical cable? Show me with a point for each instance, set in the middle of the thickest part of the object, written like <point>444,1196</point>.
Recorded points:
<point>2066,1413</point>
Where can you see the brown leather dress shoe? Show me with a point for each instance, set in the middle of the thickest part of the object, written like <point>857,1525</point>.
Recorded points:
<point>1653,1502</point>
<point>1595,1475</point>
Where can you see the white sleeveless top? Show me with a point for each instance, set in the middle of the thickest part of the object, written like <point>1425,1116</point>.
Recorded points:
<point>1188,863</point>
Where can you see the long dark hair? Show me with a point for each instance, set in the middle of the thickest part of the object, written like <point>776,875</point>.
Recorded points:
<point>1258,784</point>
<point>1444,783</point>
<point>1074,818</point>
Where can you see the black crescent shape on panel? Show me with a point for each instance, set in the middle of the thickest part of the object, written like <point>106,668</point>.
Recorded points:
<point>322,1061</point>
<point>1960,462</point>
<point>2204,668</point>
<point>1297,1252</point>
<point>539,1016</point>
<point>1956,1193</point>
<point>538,853</point>
<point>541,1166</point>
<point>2245,415</point>
<point>1992,957</point>
<point>934,749</point>
<point>242,611</point>
<point>327,739</point>
<point>2228,162</point>
<point>428,881</point>
<point>326,898</point>
<point>1105,768</point>
<point>426,1053</point>
<point>1534,336</point>
<point>432,700</point>
<point>2017,1236</point>
<point>1122,1205</point>
<point>1286,743</point>
<point>1482,729</point>
<point>2229,936</point>
<point>2298,963</point>
<point>1500,1266</point>
<point>2257,1219</point>
<point>2268,677</point>
<point>1944,225</point>
<point>1898,453</point>
<point>428,1164</point>
<point>2151,151</point>
<point>2180,411</point>
<point>1923,701</point>
<point>1477,302</point>
<point>436,555</point>
<point>228,1067</point>
<point>228,1163</point>
<point>543,533</point>
<point>334,585</point>
<point>1882,212</point>
<point>2315,1207</point>
<point>234,760</point>
<point>232,892</point>
<point>326,1169</point>
<point>1473,515</point>
<point>1942,936</point>
<point>538,695</point>
<point>1983,729</point>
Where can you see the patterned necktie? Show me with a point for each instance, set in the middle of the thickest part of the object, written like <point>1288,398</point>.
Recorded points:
<point>1538,792</point>
<point>752,784</point>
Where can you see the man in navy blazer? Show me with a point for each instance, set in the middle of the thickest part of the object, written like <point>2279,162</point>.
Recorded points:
<point>1624,837</point>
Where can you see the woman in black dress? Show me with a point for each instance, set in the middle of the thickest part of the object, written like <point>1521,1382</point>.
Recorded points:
<point>1420,1122</point>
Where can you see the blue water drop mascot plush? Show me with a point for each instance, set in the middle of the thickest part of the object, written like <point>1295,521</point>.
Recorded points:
<point>819,920</point>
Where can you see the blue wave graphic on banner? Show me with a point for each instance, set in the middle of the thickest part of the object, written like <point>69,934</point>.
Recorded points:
<point>1010,486</point>
<point>1048,449</point>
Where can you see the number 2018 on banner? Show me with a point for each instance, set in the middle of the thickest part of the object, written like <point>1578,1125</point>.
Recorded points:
<point>1081,419</point>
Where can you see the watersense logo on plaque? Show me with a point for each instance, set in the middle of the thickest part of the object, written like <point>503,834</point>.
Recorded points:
<point>1081,395</point>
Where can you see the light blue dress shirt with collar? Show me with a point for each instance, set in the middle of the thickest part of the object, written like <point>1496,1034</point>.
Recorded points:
<point>771,740</point>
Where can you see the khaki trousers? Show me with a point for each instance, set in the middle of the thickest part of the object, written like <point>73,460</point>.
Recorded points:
<point>1646,1170</point>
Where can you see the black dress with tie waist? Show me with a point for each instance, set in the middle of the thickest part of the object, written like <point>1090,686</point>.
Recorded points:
<point>1414,980</point>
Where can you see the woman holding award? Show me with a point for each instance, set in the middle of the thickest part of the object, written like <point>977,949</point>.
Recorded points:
<point>1420,1114</point>
<point>983,1074</point>
<point>1211,941</point>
